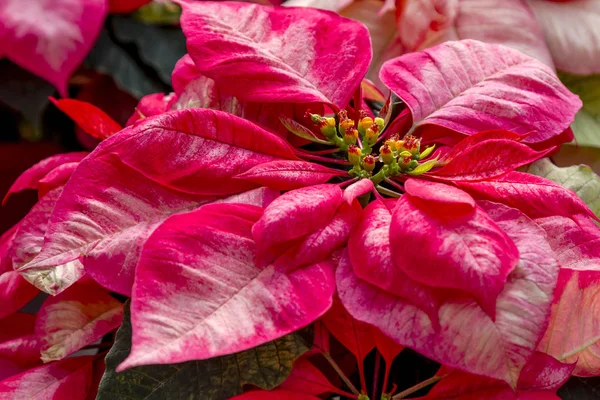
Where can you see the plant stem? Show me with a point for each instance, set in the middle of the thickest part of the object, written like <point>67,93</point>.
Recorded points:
<point>309,156</point>
<point>387,192</point>
<point>376,374</point>
<point>337,369</point>
<point>417,387</point>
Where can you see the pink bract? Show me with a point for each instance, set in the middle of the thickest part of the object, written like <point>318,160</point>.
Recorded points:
<point>76,318</point>
<point>50,38</point>
<point>152,168</point>
<point>572,32</point>
<point>500,352</point>
<point>271,65</point>
<point>574,327</point>
<point>508,22</point>
<point>455,85</point>
<point>31,177</point>
<point>465,251</point>
<point>207,257</point>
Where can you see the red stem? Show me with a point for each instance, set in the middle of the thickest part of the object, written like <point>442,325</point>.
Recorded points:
<point>376,374</point>
<point>322,159</point>
<point>394,184</point>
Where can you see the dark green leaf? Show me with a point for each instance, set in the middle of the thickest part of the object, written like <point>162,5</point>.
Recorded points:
<point>110,58</point>
<point>215,379</point>
<point>24,92</point>
<point>159,47</point>
<point>580,389</point>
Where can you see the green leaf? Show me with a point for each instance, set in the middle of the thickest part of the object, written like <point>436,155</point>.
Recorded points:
<point>112,59</point>
<point>300,130</point>
<point>579,178</point>
<point>218,378</point>
<point>24,92</point>
<point>578,388</point>
<point>424,167</point>
<point>587,121</point>
<point>159,47</point>
<point>159,13</point>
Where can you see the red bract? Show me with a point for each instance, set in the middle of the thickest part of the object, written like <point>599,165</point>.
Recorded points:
<point>539,380</point>
<point>50,37</point>
<point>88,117</point>
<point>30,178</point>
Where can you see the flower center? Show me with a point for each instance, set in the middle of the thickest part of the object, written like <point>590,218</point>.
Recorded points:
<point>371,152</point>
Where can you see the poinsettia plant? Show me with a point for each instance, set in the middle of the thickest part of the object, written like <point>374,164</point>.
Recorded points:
<point>277,228</point>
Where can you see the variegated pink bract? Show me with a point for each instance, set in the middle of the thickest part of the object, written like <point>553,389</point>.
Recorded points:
<point>383,239</point>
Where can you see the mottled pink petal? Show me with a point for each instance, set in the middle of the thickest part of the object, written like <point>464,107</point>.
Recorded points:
<point>544,372</point>
<point>28,242</point>
<point>75,318</point>
<point>260,197</point>
<point>319,245</point>
<point>470,141</point>
<point>417,20</point>
<point>541,373</point>
<point>497,349</point>
<point>575,240</point>
<point>355,335</point>
<point>66,379</point>
<point>357,189</point>
<point>573,334</point>
<point>469,86</point>
<point>546,375</point>
<point>445,199</point>
<point>468,252</point>
<point>15,292</point>
<point>331,5</point>
<point>572,32</point>
<point>488,159</point>
<point>58,177</point>
<point>88,117</point>
<point>134,180</point>
<point>370,254</point>
<point>30,178</point>
<point>308,379</point>
<point>535,196</point>
<point>184,73</point>
<point>289,174</point>
<point>5,244</point>
<point>206,257</point>
<point>253,52</point>
<point>50,38</point>
<point>425,23</point>
<point>203,92</point>
<point>151,105</point>
<point>294,214</point>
